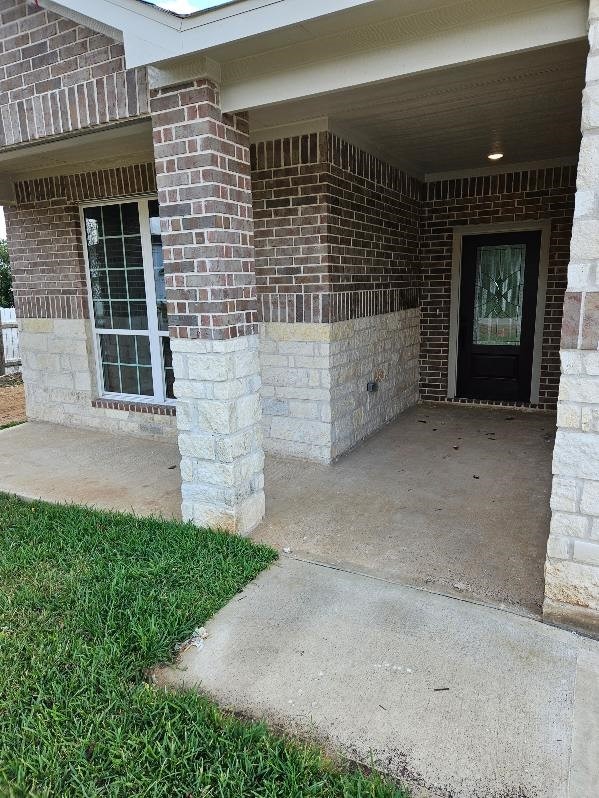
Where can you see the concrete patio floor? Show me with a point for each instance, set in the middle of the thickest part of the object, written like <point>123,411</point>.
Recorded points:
<point>451,499</point>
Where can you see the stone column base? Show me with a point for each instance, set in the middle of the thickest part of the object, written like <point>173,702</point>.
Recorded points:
<point>217,387</point>
<point>579,619</point>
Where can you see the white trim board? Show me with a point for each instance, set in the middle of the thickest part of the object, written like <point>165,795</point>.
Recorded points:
<point>544,227</point>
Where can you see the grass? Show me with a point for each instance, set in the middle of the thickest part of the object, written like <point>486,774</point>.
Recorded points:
<point>11,424</point>
<point>88,602</point>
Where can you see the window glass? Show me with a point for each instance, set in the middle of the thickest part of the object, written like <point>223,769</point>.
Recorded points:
<point>498,294</point>
<point>116,266</point>
<point>129,299</point>
<point>126,364</point>
<point>169,376</point>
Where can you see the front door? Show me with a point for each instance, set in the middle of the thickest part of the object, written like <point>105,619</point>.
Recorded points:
<point>498,299</point>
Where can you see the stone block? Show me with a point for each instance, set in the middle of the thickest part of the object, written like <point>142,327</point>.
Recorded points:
<point>565,494</point>
<point>569,525</point>
<point>301,430</point>
<point>590,362</point>
<point>210,367</point>
<point>197,445</point>
<point>248,411</point>
<point>559,547</point>
<point>583,276</point>
<point>568,415</point>
<point>240,444</point>
<point>275,407</point>
<point>572,583</point>
<point>579,389</point>
<point>589,500</point>
<point>36,325</point>
<point>586,551</point>
<point>576,454</point>
<point>572,362</point>
<point>299,409</point>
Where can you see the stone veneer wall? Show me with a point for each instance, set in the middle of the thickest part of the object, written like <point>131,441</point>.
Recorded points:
<point>314,399</point>
<point>572,566</point>
<point>384,349</point>
<point>532,195</point>
<point>59,371</point>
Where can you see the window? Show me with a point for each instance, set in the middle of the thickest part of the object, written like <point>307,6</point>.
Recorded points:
<point>126,275</point>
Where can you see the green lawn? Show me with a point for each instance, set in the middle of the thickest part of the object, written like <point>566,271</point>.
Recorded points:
<point>88,602</point>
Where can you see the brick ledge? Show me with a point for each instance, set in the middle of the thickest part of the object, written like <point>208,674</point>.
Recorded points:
<point>135,407</point>
<point>543,406</point>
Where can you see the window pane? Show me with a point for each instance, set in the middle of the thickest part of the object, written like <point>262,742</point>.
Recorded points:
<point>126,364</point>
<point>117,284</point>
<point>169,375</point>
<point>111,215</point>
<point>498,294</point>
<point>158,265</point>
<point>116,266</point>
<point>130,217</point>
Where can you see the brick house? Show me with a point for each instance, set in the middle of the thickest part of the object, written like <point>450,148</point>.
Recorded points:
<point>301,218</point>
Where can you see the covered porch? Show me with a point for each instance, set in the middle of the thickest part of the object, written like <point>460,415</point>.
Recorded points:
<point>312,290</point>
<point>451,499</point>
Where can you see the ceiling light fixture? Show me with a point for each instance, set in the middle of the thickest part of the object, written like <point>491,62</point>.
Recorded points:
<point>495,156</point>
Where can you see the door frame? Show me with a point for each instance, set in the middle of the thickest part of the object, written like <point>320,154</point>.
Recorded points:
<point>544,227</point>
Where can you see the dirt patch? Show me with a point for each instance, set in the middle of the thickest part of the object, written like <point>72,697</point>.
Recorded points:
<point>12,399</point>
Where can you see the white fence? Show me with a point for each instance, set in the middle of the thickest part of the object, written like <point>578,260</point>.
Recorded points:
<point>10,338</point>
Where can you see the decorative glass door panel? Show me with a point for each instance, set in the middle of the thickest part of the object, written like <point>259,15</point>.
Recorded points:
<point>498,295</point>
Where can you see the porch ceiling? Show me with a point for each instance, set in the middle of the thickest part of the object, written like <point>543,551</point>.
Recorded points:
<point>121,145</point>
<point>527,105</point>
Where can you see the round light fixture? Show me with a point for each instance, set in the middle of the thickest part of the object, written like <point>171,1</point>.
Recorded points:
<point>495,156</point>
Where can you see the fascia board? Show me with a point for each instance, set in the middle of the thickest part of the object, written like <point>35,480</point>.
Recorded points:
<point>151,34</point>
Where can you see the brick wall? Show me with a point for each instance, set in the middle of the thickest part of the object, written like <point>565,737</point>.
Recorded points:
<point>204,191</point>
<point>45,237</point>
<point>515,197</point>
<point>57,76</point>
<point>336,231</point>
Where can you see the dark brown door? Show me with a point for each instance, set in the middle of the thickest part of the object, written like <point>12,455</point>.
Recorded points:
<point>498,298</point>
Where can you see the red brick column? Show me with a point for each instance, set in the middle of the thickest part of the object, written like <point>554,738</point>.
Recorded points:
<point>204,191</point>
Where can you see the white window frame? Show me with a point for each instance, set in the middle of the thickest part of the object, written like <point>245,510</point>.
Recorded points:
<point>153,332</point>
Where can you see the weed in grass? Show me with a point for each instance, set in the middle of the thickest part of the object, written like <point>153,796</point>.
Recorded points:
<point>88,602</point>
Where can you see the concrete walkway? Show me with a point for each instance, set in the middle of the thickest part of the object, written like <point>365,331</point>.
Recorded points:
<point>455,699</point>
